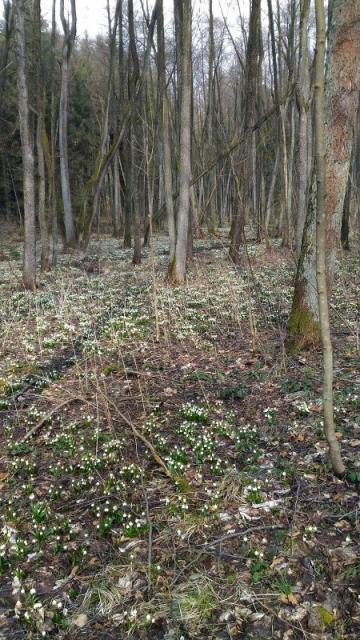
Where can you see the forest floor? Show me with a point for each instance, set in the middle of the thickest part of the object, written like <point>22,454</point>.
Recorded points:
<point>175,483</point>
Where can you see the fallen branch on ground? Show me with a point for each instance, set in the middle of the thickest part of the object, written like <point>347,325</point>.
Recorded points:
<point>144,440</point>
<point>49,416</point>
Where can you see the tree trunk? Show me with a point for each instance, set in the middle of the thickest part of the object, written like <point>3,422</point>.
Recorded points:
<point>29,272</point>
<point>117,208</point>
<point>345,223</point>
<point>69,39</point>
<point>253,54</point>
<point>53,131</point>
<point>166,141</point>
<point>321,212</point>
<point>177,268</point>
<point>134,76</point>
<point>38,74</point>
<point>211,178</point>
<point>341,99</point>
<point>302,100</point>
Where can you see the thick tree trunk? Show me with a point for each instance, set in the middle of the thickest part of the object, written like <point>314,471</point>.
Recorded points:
<point>29,272</point>
<point>177,268</point>
<point>341,99</point>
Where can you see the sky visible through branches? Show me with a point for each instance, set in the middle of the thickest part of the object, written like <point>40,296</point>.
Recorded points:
<point>92,14</point>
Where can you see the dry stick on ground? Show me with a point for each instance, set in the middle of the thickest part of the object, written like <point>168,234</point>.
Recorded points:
<point>144,440</point>
<point>229,536</point>
<point>49,416</point>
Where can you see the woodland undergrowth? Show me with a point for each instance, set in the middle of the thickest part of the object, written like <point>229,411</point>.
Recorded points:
<point>163,468</point>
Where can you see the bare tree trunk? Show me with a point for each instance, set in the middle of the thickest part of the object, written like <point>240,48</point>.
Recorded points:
<point>166,156</point>
<point>42,213</point>
<point>134,72</point>
<point>41,137</point>
<point>69,39</point>
<point>270,197</point>
<point>328,408</point>
<point>253,54</point>
<point>6,32</point>
<point>341,93</point>
<point>97,180</point>
<point>177,269</point>
<point>117,208</point>
<point>211,179</point>
<point>303,99</point>
<point>53,132</point>
<point>345,226</point>
<point>29,272</point>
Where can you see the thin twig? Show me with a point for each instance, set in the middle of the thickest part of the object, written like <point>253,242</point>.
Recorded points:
<point>229,536</point>
<point>49,416</point>
<point>144,440</point>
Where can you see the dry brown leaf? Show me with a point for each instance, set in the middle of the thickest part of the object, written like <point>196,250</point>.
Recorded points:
<point>353,443</point>
<point>290,599</point>
<point>298,437</point>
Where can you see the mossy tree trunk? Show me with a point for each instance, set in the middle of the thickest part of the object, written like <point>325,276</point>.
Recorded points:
<point>341,99</point>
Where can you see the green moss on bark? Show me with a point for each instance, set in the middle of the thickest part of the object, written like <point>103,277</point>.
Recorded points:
<point>303,330</point>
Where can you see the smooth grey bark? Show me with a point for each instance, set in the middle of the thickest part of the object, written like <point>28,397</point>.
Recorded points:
<point>29,270</point>
<point>68,43</point>
<point>177,269</point>
<point>321,210</point>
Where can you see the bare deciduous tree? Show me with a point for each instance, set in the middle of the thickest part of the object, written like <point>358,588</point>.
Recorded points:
<point>68,44</point>
<point>29,273</point>
<point>341,100</point>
